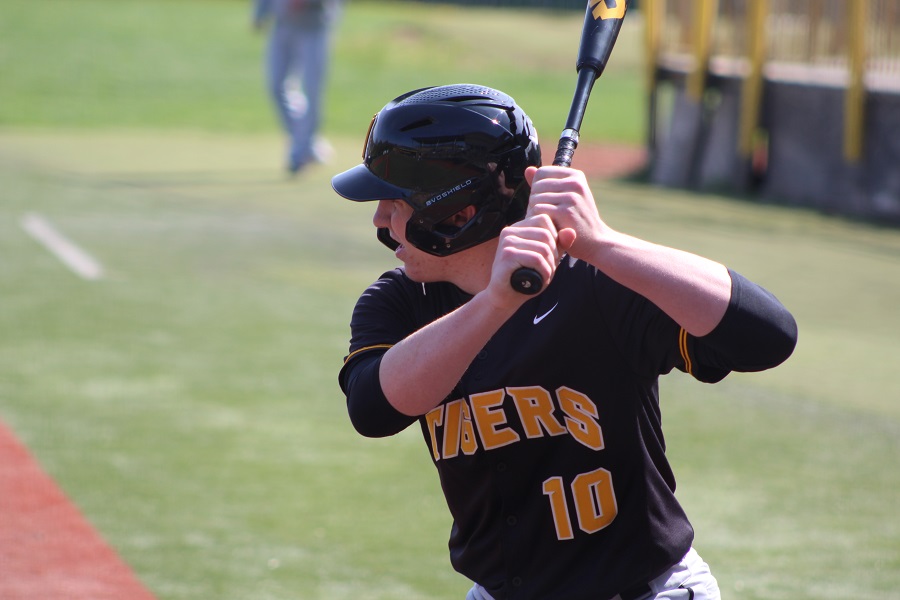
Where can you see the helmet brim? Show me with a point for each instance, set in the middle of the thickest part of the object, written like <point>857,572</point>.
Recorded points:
<point>360,185</point>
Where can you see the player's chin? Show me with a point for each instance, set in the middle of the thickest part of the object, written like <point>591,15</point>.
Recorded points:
<point>416,273</point>
<point>419,271</point>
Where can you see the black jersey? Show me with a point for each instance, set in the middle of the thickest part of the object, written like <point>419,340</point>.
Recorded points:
<point>550,450</point>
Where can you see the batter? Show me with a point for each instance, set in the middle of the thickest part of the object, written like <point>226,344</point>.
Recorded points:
<point>541,413</point>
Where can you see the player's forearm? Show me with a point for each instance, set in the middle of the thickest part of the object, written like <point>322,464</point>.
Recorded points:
<point>420,371</point>
<point>692,290</point>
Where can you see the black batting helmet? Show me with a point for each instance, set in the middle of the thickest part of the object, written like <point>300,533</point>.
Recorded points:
<point>442,149</point>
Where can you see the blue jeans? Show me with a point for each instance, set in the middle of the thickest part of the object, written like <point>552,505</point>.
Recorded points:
<point>301,56</point>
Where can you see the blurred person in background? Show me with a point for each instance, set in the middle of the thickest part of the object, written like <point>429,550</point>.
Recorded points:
<point>297,59</point>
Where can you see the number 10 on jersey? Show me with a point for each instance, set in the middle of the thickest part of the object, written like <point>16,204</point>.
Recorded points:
<point>594,499</point>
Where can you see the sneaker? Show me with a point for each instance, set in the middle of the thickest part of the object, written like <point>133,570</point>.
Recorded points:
<point>295,166</point>
<point>322,151</point>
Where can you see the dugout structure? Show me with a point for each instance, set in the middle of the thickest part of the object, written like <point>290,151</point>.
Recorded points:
<point>794,100</point>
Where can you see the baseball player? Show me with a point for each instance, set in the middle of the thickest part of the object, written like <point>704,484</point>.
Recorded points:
<point>298,49</point>
<point>541,412</point>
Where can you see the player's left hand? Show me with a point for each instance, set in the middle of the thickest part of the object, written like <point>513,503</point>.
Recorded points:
<point>564,196</point>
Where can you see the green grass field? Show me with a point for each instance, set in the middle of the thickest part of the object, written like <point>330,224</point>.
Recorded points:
<point>188,401</point>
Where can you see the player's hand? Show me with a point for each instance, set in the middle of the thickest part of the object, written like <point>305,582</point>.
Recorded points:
<point>564,197</point>
<point>530,243</point>
<point>534,243</point>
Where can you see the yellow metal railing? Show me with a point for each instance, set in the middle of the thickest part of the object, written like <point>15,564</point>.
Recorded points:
<point>704,16</point>
<point>854,113</point>
<point>854,44</point>
<point>751,93</point>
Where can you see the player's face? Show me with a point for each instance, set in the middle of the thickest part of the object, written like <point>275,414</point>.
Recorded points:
<point>420,266</point>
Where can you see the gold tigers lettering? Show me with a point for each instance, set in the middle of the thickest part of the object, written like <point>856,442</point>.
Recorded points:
<point>482,421</point>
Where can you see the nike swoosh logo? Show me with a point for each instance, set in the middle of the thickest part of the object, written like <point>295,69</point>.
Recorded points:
<point>544,316</point>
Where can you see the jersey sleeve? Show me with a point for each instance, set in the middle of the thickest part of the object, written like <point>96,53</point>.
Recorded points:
<point>382,317</point>
<point>756,333</point>
<point>370,412</point>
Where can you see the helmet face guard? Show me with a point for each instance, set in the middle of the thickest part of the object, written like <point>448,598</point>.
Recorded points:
<point>441,150</point>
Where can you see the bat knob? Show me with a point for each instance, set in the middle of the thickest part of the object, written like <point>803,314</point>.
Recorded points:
<point>526,281</point>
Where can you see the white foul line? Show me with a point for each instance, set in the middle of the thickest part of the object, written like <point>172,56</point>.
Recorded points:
<point>80,262</point>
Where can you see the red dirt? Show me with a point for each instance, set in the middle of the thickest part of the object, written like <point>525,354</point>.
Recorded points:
<point>48,550</point>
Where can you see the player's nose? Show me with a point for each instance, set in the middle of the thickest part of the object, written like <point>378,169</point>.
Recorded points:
<point>382,216</point>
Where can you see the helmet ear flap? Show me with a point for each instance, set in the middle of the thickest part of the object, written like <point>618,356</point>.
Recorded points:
<point>518,203</point>
<point>496,206</point>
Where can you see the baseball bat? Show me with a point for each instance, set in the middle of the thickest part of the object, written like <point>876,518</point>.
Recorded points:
<point>602,22</point>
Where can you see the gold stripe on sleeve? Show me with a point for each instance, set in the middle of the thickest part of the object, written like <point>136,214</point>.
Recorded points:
<point>366,349</point>
<point>683,346</point>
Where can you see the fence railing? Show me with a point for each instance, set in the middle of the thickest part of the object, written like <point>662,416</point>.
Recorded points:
<point>854,44</point>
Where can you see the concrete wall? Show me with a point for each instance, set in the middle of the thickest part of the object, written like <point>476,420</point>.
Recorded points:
<point>695,146</point>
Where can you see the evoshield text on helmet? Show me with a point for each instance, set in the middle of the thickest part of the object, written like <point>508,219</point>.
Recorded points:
<point>442,149</point>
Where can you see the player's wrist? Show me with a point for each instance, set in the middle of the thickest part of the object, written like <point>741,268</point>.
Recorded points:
<point>603,250</point>
<point>500,301</point>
